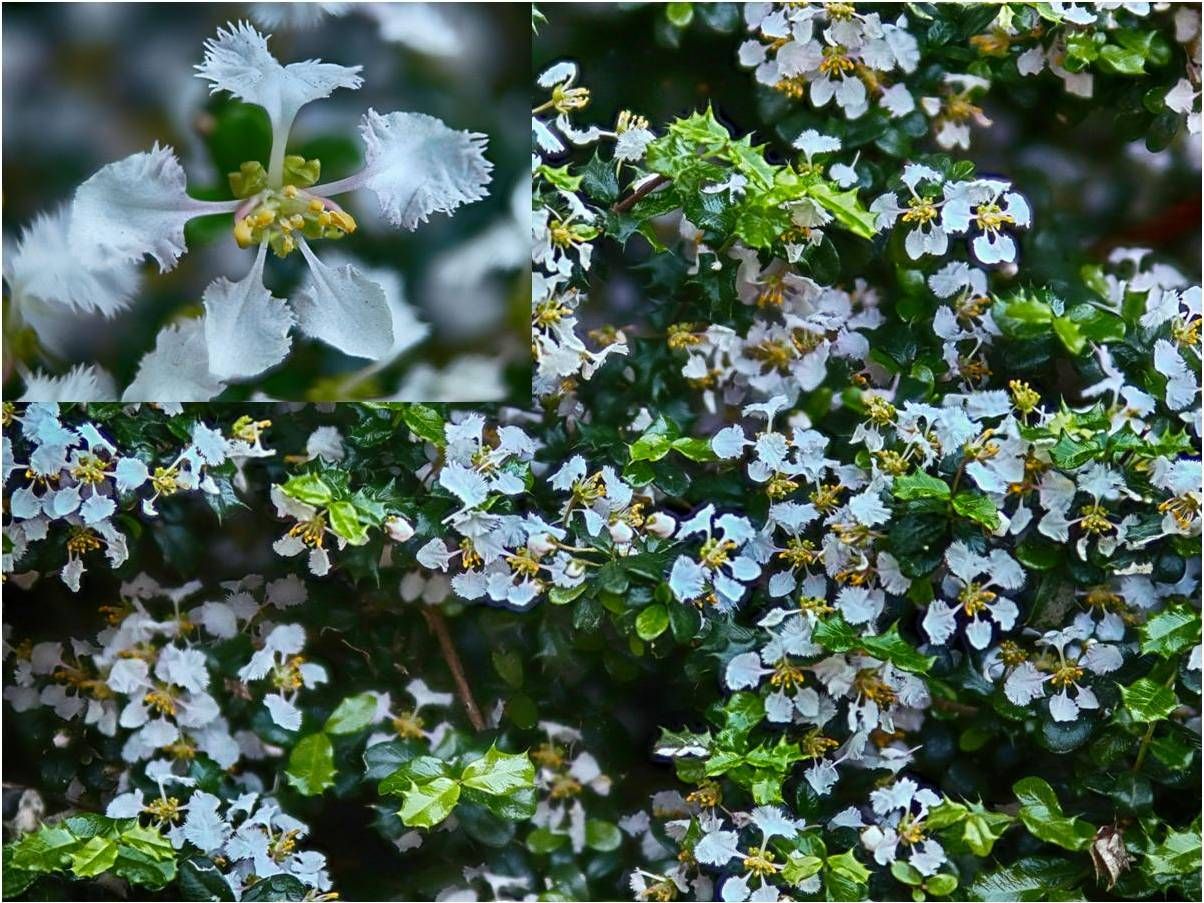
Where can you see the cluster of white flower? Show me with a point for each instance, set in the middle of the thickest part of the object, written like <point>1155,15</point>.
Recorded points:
<point>76,476</point>
<point>146,677</point>
<point>562,229</point>
<point>84,257</point>
<point>831,51</point>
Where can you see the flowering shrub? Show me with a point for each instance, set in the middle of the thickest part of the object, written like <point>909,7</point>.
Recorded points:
<point>848,547</point>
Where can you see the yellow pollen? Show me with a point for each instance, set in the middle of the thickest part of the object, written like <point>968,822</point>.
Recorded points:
<point>82,540</point>
<point>164,811</point>
<point>919,210</point>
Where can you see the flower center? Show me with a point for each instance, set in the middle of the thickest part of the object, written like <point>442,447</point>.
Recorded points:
<point>278,216</point>
<point>287,676</point>
<point>311,532</point>
<point>82,540</point>
<point>164,810</point>
<point>160,701</point>
<point>989,217</point>
<point>787,676</point>
<point>408,726</point>
<point>919,210</point>
<point>836,62</point>
<point>1095,519</point>
<point>1184,509</point>
<point>975,598</point>
<point>565,100</point>
<point>1066,674</point>
<point>716,552</point>
<point>759,862</point>
<point>870,685</point>
<point>90,469</point>
<point>799,552</point>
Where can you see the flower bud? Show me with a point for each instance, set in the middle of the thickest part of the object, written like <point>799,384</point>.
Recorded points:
<point>541,545</point>
<point>621,533</point>
<point>660,524</point>
<point>398,528</point>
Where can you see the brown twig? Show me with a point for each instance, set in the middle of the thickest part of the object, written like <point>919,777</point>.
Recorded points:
<point>954,708</point>
<point>639,194</point>
<point>438,625</point>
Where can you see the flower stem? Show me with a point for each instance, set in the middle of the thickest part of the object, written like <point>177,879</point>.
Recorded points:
<point>639,194</point>
<point>438,625</point>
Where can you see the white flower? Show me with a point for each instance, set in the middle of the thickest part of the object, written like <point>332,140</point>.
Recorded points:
<point>987,205</point>
<point>977,598</point>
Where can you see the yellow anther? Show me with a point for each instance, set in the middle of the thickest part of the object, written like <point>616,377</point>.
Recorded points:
<point>243,232</point>
<point>289,191</point>
<point>343,221</point>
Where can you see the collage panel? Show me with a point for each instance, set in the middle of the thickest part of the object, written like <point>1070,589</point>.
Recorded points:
<point>265,201</point>
<point>831,530</point>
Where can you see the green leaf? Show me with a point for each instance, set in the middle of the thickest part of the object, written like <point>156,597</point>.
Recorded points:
<point>602,836</point>
<point>846,208</point>
<point>835,634</point>
<point>1121,61</point>
<point>598,180</point>
<point>941,885</point>
<point>499,773</point>
<point>421,769</point>
<point>694,449</point>
<point>982,828</point>
<point>906,874</point>
<point>142,869</point>
<point>201,880</point>
<point>345,522</point>
<point>845,877</point>
<point>308,488</point>
<point>352,714</point>
<point>311,765</point>
<point>424,806</point>
<point>1069,453</point>
<point>45,850</point>
<point>919,485</point>
<point>1147,701</point>
<point>799,867</point>
<point>148,841</point>
<point>541,841</point>
<point>1022,318</point>
<point>277,887</point>
<point>94,857</point>
<point>1169,632</point>
<point>509,666</point>
<point>652,622</point>
<point>656,441</point>
<point>1031,878</point>
<point>978,508</point>
<point>890,646</point>
<point>424,422</point>
<point>15,881</point>
<point>1041,813</point>
<point>679,14</point>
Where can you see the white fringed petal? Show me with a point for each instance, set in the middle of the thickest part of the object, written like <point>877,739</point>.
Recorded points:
<point>134,207</point>
<point>177,369</point>
<point>246,328</point>
<point>416,166</point>
<point>80,383</point>
<point>342,307</point>
<point>238,61</point>
<point>408,330</point>
<point>44,266</point>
